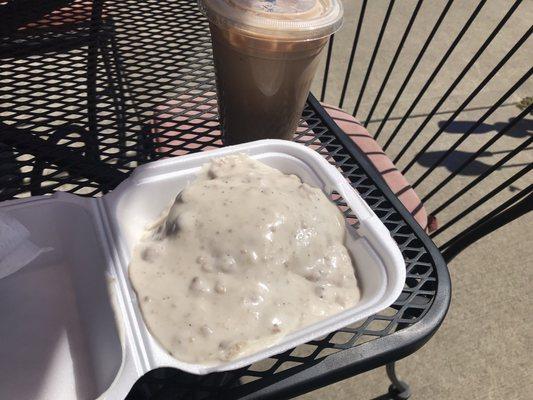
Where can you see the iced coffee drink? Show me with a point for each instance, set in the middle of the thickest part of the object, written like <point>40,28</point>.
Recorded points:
<point>266,54</point>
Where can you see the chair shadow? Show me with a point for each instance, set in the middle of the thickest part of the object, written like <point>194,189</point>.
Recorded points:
<point>483,161</point>
<point>521,130</point>
<point>456,159</point>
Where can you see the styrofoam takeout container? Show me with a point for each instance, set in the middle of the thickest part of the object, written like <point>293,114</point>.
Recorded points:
<point>71,326</point>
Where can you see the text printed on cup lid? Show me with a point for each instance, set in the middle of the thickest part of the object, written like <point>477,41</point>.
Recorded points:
<point>281,19</point>
<point>276,6</point>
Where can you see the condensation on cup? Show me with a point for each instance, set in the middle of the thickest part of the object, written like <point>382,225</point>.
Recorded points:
<point>266,54</point>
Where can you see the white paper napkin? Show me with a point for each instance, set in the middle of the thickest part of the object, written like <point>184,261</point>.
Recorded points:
<point>16,250</point>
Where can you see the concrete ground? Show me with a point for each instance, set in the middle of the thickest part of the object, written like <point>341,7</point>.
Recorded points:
<point>482,349</point>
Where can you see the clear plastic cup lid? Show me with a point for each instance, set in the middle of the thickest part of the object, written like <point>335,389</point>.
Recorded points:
<point>280,19</point>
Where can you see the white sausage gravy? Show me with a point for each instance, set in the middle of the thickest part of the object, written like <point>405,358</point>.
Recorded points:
<point>245,256</point>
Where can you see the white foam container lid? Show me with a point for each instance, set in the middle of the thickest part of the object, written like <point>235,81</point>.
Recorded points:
<point>71,327</point>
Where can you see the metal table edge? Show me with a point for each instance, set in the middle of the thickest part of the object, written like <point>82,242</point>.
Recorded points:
<point>442,299</point>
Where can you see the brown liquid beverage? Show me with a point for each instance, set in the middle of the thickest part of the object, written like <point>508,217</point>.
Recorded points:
<point>266,54</point>
<point>262,84</point>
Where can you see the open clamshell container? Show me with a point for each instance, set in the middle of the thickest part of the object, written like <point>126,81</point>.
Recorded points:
<point>71,326</point>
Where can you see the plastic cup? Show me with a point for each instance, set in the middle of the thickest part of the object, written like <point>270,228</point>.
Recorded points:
<point>266,54</point>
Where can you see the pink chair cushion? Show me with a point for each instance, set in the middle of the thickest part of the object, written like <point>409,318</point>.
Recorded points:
<point>186,124</point>
<point>396,181</point>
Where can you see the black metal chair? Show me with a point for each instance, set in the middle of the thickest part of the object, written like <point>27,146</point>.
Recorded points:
<point>471,178</point>
<point>31,32</point>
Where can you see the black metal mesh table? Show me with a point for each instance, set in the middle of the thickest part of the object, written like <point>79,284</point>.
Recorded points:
<point>126,82</point>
